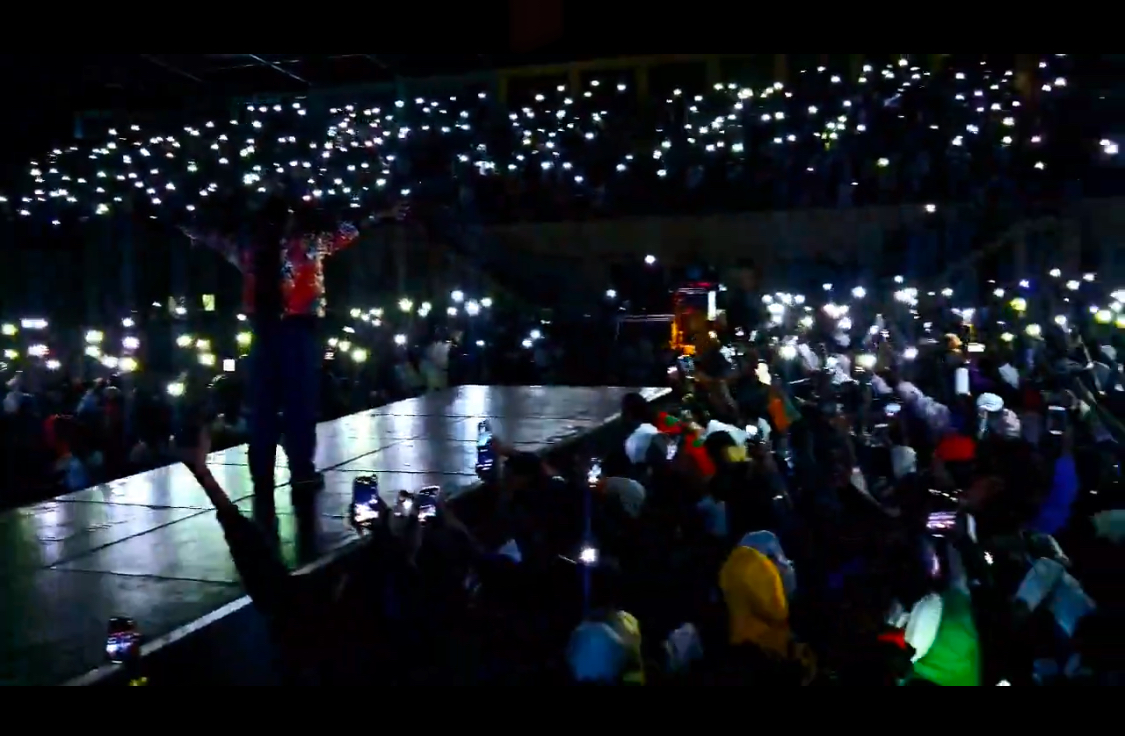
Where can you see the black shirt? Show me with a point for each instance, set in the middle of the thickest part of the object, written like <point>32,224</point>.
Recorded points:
<point>267,244</point>
<point>743,310</point>
<point>713,363</point>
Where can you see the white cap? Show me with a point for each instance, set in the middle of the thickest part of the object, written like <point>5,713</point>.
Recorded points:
<point>925,620</point>
<point>904,461</point>
<point>990,403</point>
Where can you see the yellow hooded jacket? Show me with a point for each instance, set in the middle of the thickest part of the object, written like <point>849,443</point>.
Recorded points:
<point>756,604</point>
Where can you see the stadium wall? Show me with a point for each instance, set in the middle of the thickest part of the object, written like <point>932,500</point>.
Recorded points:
<point>876,240</point>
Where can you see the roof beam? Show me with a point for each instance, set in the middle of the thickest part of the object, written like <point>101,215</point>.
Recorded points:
<point>277,68</point>
<point>169,67</point>
<point>378,62</point>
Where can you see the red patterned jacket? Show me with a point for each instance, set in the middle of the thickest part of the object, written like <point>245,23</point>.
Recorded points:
<point>302,265</point>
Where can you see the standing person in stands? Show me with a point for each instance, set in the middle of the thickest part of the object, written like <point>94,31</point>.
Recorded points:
<point>744,302</point>
<point>281,254</point>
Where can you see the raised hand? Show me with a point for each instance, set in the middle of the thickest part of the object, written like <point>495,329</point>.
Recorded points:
<point>194,454</point>
<point>398,212</point>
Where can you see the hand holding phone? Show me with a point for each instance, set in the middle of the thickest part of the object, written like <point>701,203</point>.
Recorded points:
<point>1056,420</point>
<point>123,641</point>
<point>367,506</point>
<point>942,522</point>
<point>428,502</point>
<point>594,475</point>
<point>486,455</point>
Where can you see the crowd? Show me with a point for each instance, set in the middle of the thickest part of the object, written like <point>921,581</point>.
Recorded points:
<point>859,488</point>
<point>892,132</point>
<point>886,133</point>
<point>92,405</point>
<point>82,408</point>
<point>896,482</point>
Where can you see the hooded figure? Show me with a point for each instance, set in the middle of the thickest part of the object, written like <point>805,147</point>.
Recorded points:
<point>758,610</point>
<point>768,544</point>
<point>607,652</point>
<point>757,607</point>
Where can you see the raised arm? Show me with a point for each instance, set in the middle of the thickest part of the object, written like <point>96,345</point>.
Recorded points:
<point>333,242</point>
<point>226,246</point>
<point>346,233</point>
<point>263,574</point>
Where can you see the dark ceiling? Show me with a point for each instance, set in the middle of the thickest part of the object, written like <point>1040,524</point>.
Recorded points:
<point>108,81</point>
<point>43,83</point>
<point>50,91</point>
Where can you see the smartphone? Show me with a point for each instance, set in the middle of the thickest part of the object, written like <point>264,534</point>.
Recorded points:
<point>892,410</point>
<point>976,347</point>
<point>881,434</point>
<point>367,505</point>
<point>122,641</point>
<point>673,449</point>
<point>1056,420</point>
<point>687,364</point>
<point>595,473</point>
<point>587,556</point>
<point>941,522</point>
<point>485,457</point>
<point>427,500</point>
<point>753,434</point>
<point>961,382</point>
<point>764,375</point>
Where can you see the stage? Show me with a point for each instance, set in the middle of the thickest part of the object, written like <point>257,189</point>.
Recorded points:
<point>148,547</point>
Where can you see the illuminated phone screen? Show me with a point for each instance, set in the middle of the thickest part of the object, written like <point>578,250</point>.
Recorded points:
<point>595,473</point>
<point>366,504</point>
<point>485,458</point>
<point>1056,420</point>
<point>427,500</point>
<point>943,521</point>
<point>123,642</point>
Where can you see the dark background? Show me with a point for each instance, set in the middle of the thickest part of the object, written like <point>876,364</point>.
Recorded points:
<point>44,92</point>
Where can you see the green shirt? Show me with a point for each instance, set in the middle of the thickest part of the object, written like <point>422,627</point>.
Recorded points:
<point>954,659</point>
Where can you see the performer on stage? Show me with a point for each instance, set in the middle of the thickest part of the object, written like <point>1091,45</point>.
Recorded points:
<point>281,254</point>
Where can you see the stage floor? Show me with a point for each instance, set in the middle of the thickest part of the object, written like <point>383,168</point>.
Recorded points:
<point>148,547</point>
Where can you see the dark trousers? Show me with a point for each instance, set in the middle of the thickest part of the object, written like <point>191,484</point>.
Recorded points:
<point>283,387</point>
